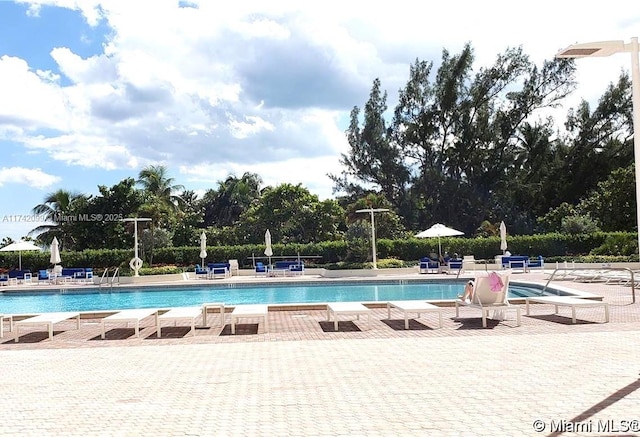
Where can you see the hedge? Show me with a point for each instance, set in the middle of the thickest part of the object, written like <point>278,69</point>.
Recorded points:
<point>620,244</point>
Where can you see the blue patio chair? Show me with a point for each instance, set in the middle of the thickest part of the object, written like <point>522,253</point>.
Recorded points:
<point>427,264</point>
<point>201,271</point>
<point>297,268</point>
<point>454,266</point>
<point>261,269</point>
<point>43,275</point>
<point>537,263</point>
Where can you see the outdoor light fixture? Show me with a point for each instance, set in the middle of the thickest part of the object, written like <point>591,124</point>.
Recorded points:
<point>136,262</point>
<point>373,230</point>
<point>607,48</point>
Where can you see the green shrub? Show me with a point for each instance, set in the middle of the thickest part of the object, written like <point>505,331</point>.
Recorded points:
<point>617,243</point>
<point>578,224</point>
<point>342,265</point>
<point>161,270</point>
<point>390,263</point>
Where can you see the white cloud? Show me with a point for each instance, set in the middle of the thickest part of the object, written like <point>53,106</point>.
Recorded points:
<point>89,8</point>
<point>83,151</point>
<point>263,86</point>
<point>311,173</point>
<point>252,125</point>
<point>33,177</point>
<point>96,69</point>
<point>30,99</point>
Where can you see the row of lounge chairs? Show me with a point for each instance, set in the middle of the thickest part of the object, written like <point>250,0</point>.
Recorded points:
<point>521,262</point>
<point>607,275</point>
<point>490,294</point>
<point>214,270</point>
<point>136,316</point>
<point>65,274</point>
<point>280,268</point>
<point>428,265</point>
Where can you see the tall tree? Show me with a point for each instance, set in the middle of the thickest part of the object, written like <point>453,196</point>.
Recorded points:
<point>60,209</point>
<point>190,220</point>
<point>388,224</point>
<point>456,139</point>
<point>598,142</point>
<point>224,206</point>
<point>104,228</point>
<point>373,158</point>
<point>161,201</point>
<point>611,204</point>
<point>293,215</point>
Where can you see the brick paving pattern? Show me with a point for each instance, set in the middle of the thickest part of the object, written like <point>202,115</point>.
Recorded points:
<point>301,380</point>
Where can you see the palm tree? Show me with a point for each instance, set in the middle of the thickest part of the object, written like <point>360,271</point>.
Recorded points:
<point>156,183</point>
<point>58,209</point>
<point>161,203</point>
<point>224,206</point>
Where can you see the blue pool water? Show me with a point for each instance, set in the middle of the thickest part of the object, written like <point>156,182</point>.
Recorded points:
<point>234,294</point>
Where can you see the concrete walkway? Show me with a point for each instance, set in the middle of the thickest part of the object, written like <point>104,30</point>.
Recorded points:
<point>474,385</point>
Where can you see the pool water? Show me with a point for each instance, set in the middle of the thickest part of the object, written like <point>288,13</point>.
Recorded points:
<point>234,294</point>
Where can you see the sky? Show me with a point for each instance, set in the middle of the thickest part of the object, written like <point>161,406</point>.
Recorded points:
<point>93,91</point>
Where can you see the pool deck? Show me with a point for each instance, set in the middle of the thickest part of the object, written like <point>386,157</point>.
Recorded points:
<point>302,379</point>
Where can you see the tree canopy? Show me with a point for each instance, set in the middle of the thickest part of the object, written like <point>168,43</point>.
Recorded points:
<point>463,146</point>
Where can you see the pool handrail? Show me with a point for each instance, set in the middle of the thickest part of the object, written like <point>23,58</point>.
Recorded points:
<point>106,271</point>
<point>568,270</point>
<point>105,274</point>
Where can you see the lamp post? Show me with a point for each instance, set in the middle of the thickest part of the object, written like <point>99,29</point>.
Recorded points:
<point>607,48</point>
<point>135,262</point>
<point>373,230</point>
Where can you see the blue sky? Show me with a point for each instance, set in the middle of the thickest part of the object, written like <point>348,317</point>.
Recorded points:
<point>92,91</point>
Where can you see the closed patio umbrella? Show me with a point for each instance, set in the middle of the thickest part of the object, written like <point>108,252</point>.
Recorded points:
<point>439,230</point>
<point>267,242</point>
<point>203,247</point>
<point>55,252</point>
<point>19,246</point>
<point>503,237</point>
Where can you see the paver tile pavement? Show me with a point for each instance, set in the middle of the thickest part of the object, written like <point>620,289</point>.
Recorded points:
<point>458,380</point>
<point>464,385</point>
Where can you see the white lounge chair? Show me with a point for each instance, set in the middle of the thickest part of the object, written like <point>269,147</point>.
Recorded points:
<point>187,313</point>
<point>47,319</point>
<point>347,308</point>
<point>569,301</point>
<point>413,306</point>
<point>250,311</point>
<point>4,317</point>
<point>487,296</point>
<point>468,262</point>
<point>234,267</point>
<point>127,316</point>
<point>212,305</point>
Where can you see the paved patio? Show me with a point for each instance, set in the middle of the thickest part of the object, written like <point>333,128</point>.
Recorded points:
<point>301,379</point>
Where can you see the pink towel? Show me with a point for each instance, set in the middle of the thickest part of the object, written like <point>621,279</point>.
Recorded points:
<point>495,282</point>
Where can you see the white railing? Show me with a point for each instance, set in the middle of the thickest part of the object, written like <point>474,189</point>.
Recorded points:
<point>605,274</point>
<point>105,277</point>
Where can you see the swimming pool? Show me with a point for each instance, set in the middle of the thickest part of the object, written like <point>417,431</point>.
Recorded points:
<point>234,294</point>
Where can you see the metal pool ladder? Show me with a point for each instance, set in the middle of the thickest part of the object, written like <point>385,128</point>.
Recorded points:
<point>112,280</point>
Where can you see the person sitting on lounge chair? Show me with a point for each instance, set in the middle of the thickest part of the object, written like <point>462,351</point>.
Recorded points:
<point>444,260</point>
<point>467,296</point>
